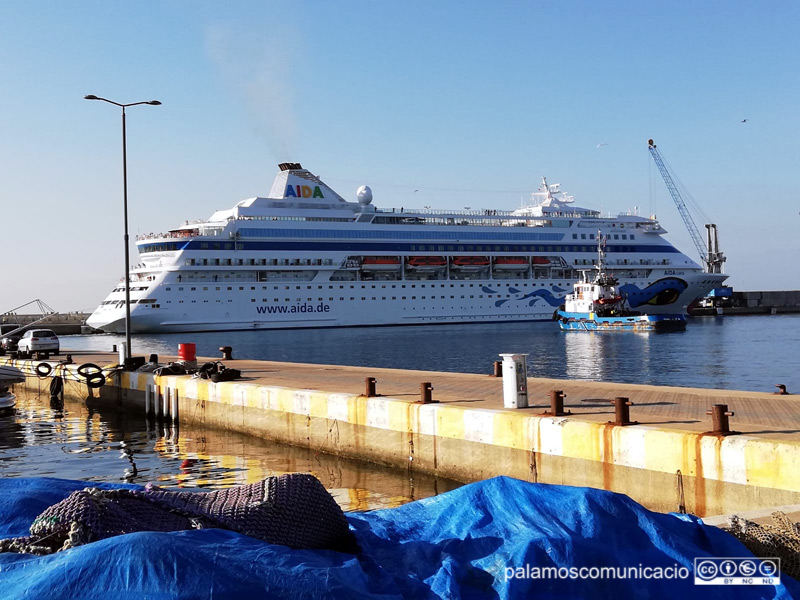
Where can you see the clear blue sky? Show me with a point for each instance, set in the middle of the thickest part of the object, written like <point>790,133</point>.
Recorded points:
<point>471,103</point>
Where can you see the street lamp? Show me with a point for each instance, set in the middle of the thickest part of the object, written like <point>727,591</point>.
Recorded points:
<point>125,213</point>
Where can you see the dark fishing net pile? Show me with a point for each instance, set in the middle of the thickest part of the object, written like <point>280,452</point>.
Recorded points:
<point>780,539</point>
<point>293,510</point>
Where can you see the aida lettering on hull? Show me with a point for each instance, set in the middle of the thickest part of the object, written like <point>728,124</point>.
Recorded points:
<point>303,191</point>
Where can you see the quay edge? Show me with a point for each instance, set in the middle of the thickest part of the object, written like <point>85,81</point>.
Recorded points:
<point>662,468</point>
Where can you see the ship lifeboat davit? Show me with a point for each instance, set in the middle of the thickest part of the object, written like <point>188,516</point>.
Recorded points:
<point>511,263</point>
<point>380,263</point>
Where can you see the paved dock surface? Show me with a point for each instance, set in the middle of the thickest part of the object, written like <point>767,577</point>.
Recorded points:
<point>756,414</point>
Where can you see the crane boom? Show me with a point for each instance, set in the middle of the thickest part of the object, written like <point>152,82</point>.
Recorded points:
<point>711,256</point>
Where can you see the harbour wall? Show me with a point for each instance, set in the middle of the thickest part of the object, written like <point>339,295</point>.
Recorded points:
<point>60,323</point>
<point>765,302</point>
<point>664,469</point>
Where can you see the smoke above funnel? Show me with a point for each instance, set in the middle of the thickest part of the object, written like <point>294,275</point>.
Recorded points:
<point>260,71</point>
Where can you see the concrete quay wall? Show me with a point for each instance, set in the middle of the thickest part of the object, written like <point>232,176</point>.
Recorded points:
<point>664,469</point>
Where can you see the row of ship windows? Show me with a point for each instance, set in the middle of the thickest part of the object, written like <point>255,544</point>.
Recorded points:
<point>422,247</point>
<point>364,287</point>
<point>306,234</point>
<point>343,298</point>
<point>297,262</point>
<point>616,236</point>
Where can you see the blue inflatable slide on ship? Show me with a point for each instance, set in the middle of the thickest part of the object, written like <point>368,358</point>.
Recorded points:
<point>491,539</point>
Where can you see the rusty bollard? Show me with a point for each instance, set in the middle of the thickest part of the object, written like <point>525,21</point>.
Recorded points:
<point>719,420</point>
<point>498,369</point>
<point>227,352</point>
<point>622,413</point>
<point>557,404</point>
<point>425,393</point>
<point>370,387</point>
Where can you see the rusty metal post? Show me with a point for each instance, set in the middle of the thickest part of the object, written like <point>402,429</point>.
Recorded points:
<point>719,419</point>
<point>227,352</point>
<point>622,414</point>
<point>498,369</point>
<point>557,404</point>
<point>370,387</point>
<point>425,392</point>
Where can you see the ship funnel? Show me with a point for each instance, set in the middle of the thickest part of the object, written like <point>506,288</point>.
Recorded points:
<point>294,183</point>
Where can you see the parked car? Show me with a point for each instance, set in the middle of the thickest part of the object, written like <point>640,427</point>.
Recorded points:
<point>8,340</point>
<point>41,341</point>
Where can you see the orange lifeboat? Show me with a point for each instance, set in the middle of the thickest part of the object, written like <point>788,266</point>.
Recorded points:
<point>380,263</point>
<point>426,261</point>
<point>470,261</point>
<point>511,263</point>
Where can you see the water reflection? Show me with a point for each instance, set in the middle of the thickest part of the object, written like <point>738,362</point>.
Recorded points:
<point>742,353</point>
<point>44,438</point>
<point>603,356</point>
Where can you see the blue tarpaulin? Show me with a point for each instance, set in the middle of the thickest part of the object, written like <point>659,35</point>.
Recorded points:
<point>462,544</point>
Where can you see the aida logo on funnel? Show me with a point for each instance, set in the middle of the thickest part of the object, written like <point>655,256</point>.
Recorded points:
<point>303,191</point>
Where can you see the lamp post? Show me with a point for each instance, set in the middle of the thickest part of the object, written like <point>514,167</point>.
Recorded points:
<point>125,215</point>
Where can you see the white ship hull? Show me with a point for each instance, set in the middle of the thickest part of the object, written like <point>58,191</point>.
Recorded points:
<point>373,303</point>
<point>304,257</point>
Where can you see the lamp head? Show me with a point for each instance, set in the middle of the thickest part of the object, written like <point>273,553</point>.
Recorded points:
<point>91,97</point>
<point>154,103</point>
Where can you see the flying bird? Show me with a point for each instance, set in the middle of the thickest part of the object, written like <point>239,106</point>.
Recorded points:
<point>601,144</point>
<point>744,120</point>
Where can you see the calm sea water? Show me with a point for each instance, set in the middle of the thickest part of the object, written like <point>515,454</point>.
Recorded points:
<point>80,441</point>
<point>76,440</point>
<point>736,352</point>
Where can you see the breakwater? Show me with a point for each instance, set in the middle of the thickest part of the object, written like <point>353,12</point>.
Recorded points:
<point>668,461</point>
<point>60,323</point>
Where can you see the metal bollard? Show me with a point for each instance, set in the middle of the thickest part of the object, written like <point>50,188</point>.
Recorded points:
<point>622,413</point>
<point>498,369</point>
<point>425,393</point>
<point>557,404</point>
<point>113,348</point>
<point>227,352</point>
<point>147,400</point>
<point>719,419</point>
<point>153,358</point>
<point>370,387</point>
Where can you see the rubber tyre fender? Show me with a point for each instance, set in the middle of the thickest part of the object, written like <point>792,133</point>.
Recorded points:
<point>96,380</point>
<point>43,369</point>
<point>84,370</point>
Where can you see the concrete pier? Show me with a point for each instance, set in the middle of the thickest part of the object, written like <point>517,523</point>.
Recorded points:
<point>669,461</point>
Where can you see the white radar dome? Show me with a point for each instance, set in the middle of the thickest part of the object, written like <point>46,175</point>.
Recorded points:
<point>364,194</point>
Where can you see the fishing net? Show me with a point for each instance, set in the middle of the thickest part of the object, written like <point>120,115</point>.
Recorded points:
<point>781,540</point>
<point>293,510</point>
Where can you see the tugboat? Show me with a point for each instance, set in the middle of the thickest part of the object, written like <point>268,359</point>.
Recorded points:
<point>598,306</point>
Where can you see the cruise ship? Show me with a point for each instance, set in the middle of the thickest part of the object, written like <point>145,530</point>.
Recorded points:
<point>304,256</point>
